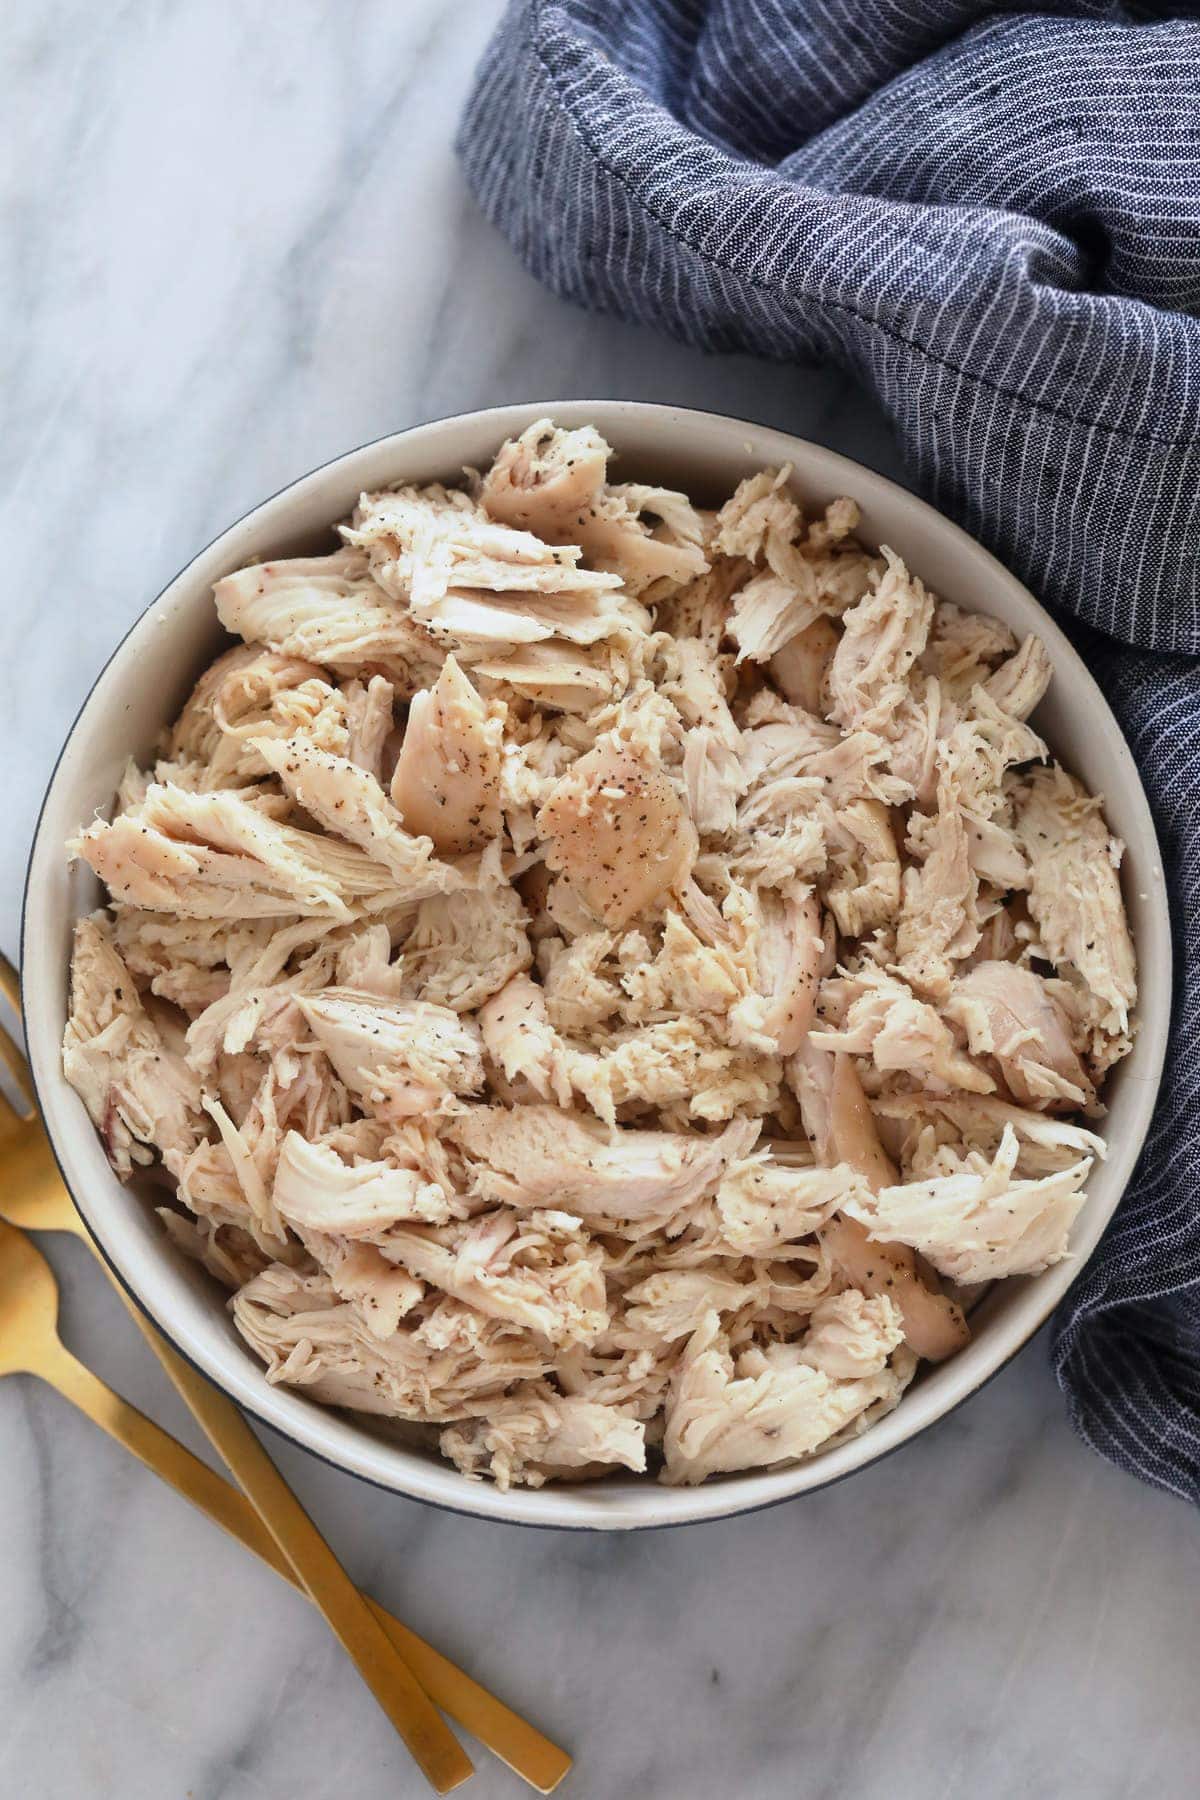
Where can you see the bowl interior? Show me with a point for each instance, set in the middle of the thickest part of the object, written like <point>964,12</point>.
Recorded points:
<point>145,684</point>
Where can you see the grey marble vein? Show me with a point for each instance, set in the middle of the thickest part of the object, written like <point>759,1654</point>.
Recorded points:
<point>236,243</point>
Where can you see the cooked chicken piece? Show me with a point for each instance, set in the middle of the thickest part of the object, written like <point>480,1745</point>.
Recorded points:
<point>975,757</point>
<point>766,1207</point>
<point>714,780</point>
<point>964,648</point>
<point>230,1256</point>
<point>1009,1014</point>
<point>1019,683</point>
<point>327,609</point>
<point>436,1370</point>
<point>800,667</point>
<point>196,736</point>
<point>556,676</point>
<point>446,785</point>
<point>836,1114</point>
<point>554,483</point>
<point>206,856</point>
<point>939,912</point>
<point>532,757</point>
<point>773,612</point>
<point>209,1186</point>
<point>554,912</point>
<point>251,691</point>
<point>537,1271</point>
<point>350,804</point>
<point>786,742</point>
<point>882,637</point>
<point>668,1061</point>
<point>365,962</point>
<point>913,735</point>
<point>536,1435</point>
<point>851,1335</point>
<point>980,1224</point>
<point>626,1368</point>
<point>259,1014</point>
<point>370,721</point>
<point>399,1060</point>
<point>616,827</point>
<point>161,942</point>
<point>763,522</point>
<point>462,948</point>
<point>672,1303</point>
<point>380,1293</point>
<point>537,1155</point>
<point>1075,893</point>
<point>139,1092</point>
<point>316,1102</point>
<point>469,581</point>
<point>567,913</point>
<point>769,611</point>
<point>781,741</point>
<point>998,940</point>
<point>711,766</point>
<point>780,839</point>
<point>760,509</point>
<point>520,1040</point>
<point>260,1010</point>
<point>185,961</point>
<point>934,1326</point>
<point>862,889</point>
<point>788,950</point>
<point>700,611</point>
<point>884,1020</point>
<point>766,1408</point>
<point>546,480</point>
<point>644,721</point>
<point>252,1148</point>
<point>1046,1143</point>
<point>315,1190</point>
<point>580,992</point>
<point>686,976</point>
<point>839,1121</point>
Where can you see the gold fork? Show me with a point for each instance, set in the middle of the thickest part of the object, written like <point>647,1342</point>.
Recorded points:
<point>35,1197</point>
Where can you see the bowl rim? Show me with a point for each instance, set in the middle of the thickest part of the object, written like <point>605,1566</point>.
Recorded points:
<point>309,1425</point>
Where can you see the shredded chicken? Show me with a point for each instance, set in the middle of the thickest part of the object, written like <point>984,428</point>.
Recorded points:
<point>447,779</point>
<point>587,968</point>
<point>618,829</point>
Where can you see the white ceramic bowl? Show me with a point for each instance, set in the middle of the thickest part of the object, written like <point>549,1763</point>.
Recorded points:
<point>146,682</point>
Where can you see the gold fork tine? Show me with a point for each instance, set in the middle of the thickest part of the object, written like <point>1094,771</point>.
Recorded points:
<point>19,1070</point>
<point>10,984</point>
<point>11,1120</point>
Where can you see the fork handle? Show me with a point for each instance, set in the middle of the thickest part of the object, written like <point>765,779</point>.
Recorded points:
<point>531,1756</point>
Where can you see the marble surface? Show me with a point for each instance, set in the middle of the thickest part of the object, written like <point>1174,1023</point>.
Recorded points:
<point>238,243</point>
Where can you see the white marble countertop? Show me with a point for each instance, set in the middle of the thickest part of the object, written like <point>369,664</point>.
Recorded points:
<point>238,243</point>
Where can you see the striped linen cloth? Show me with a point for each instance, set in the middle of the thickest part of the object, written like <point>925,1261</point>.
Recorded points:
<point>993,220</point>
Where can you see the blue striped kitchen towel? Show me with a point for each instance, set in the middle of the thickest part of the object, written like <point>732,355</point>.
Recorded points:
<point>993,219</point>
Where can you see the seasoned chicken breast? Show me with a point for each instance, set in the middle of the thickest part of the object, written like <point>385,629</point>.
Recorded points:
<point>446,784</point>
<point>585,966</point>
<point>617,828</point>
